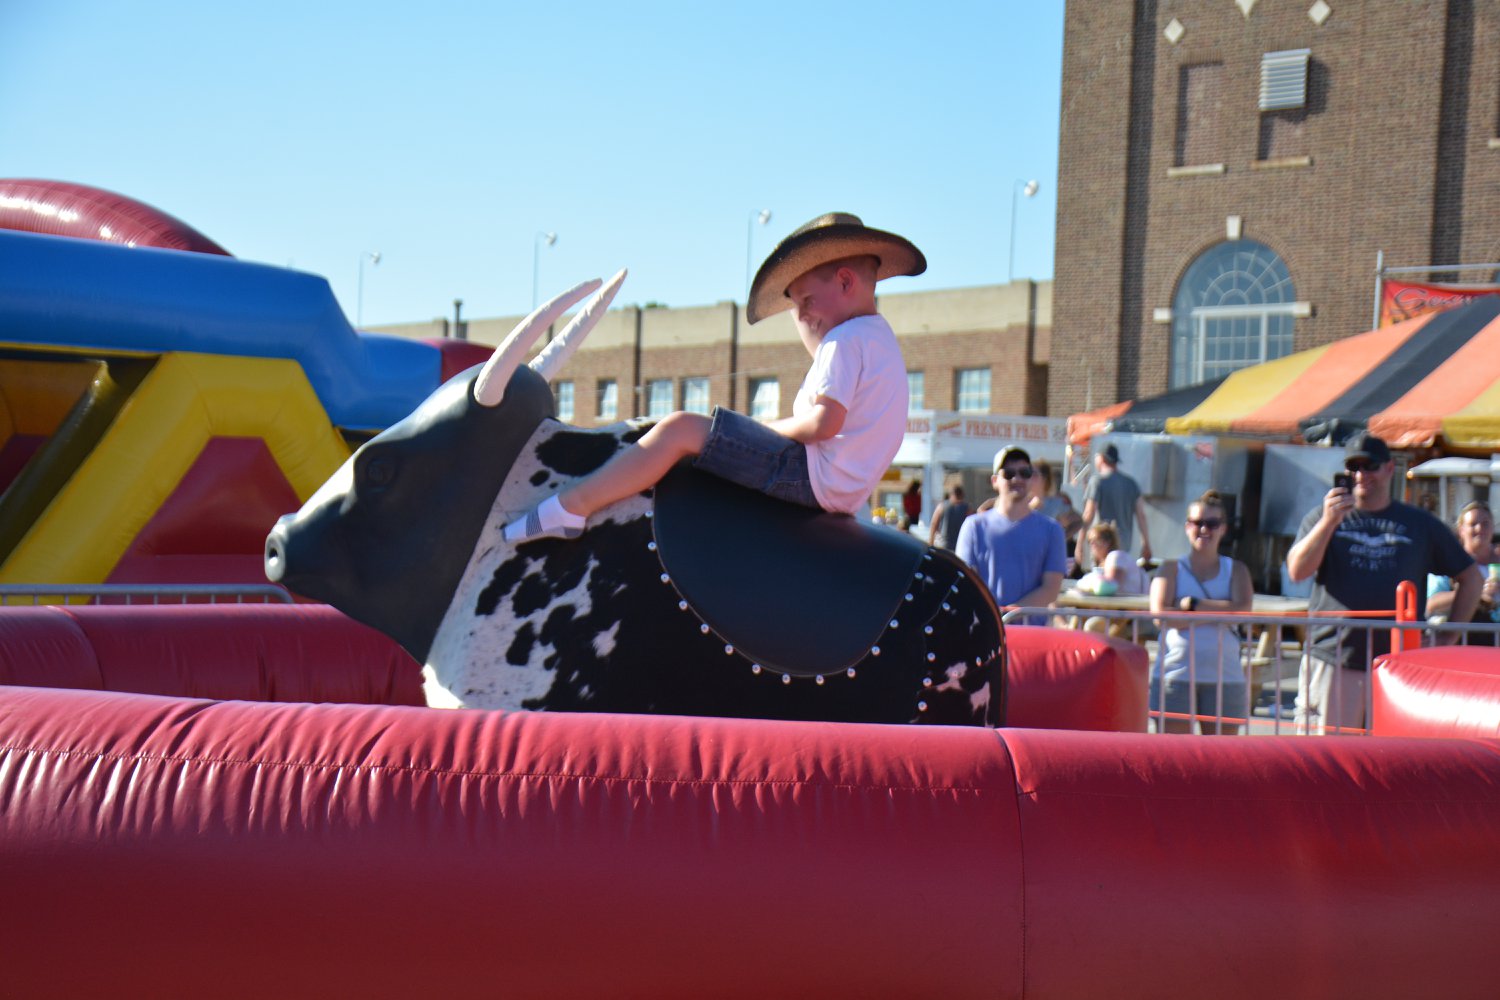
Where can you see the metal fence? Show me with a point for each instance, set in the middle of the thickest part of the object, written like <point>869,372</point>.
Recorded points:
<point>1270,698</point>
<point>13,594</point>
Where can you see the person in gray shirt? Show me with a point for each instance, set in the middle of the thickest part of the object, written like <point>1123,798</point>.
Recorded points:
<point>947,519</point>
<point>1111,495</point>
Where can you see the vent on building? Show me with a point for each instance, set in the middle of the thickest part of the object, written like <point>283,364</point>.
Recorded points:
<point>1283,79</point>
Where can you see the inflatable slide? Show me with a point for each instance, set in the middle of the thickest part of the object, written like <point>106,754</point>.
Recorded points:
<point>161,405</point>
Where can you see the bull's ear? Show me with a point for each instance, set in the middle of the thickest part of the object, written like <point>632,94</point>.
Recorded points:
<point>557,353</point>
<point>489,387</point>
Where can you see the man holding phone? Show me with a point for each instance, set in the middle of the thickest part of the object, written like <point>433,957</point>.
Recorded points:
<point>1359,545</point>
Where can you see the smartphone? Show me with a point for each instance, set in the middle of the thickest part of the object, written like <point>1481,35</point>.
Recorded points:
<point>1343,480</point>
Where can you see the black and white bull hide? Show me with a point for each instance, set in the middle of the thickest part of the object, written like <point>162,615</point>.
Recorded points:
<point>695,598</point>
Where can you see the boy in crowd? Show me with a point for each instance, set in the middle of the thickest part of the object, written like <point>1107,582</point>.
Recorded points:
<point>848,418</point>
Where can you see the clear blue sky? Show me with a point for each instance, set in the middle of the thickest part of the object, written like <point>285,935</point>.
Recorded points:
<point>446,135</point>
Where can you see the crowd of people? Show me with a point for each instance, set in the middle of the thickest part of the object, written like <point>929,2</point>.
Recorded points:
<point>1354,548</point>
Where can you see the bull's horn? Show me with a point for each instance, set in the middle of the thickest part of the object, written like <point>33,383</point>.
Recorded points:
<point>489,387</point>
<point>557,353</point>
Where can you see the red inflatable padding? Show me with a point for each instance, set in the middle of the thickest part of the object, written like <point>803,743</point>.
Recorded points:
<point>1258,867</point>
<point>1441,691</point>
<point>1062,679</point>
<point>157,846</point>
<point>44,647</point>
<point>254,652</point>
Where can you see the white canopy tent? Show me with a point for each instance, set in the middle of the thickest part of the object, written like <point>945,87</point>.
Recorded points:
<point>1481,475</point>
<point>939,440</point>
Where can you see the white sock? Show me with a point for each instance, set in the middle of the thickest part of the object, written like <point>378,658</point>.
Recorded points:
<point>555,515</point>
<point>557,521</point>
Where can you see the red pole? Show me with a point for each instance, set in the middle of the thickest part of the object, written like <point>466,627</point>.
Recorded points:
<point>1406,611</point>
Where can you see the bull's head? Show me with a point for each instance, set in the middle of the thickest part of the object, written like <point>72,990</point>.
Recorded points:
<point>387,538</point>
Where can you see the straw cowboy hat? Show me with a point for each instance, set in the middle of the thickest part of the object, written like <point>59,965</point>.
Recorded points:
<point>827,238</point>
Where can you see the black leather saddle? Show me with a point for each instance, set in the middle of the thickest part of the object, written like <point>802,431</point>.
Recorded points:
<point>800,591</point>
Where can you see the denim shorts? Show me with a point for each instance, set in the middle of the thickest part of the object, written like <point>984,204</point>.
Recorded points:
<point>747,452</point>
<point>1179,699</point>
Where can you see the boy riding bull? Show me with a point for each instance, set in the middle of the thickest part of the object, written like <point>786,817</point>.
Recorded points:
<point>848,418</point>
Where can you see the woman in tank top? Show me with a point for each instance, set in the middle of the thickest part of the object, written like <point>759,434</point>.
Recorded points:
<point>1198,670</point>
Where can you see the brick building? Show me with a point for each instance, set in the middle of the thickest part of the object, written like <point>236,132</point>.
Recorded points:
<point>1229,170</point>
<point>980,350</point>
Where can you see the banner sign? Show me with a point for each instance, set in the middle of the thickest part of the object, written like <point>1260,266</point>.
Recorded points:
<point>960,440</point>
<point>1403,300</point>
<point>1052,430</point>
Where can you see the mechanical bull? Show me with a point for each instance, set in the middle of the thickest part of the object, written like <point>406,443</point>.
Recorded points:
<point>696,598</point>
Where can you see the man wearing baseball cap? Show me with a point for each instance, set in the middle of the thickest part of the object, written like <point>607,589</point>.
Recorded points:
<point>1021,554</point>
<point>1358,546</point>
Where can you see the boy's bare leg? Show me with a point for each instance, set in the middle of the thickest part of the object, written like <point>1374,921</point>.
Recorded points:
<point>640,466</point>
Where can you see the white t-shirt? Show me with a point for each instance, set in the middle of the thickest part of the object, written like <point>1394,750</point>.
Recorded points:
<point>858,364</point>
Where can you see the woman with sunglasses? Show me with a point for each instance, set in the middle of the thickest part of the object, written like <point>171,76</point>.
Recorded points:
<point>1476,532</point>
<point>1198,670</point>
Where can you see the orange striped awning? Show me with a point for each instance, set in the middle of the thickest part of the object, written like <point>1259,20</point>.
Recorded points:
<point>1432,379</point>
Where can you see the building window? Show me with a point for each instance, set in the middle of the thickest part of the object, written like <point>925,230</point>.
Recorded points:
<point>1233,308</point>
<point>916,391</point>
<point>609,399</point>
<point>765,398</point>
<point>658,397</point>
<point>1200,115</point>
<point>973,390</point>
<point>563,393</point>
<point>695,395</point>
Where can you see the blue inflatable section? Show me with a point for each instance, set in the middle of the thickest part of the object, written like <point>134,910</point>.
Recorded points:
<point>56,291</point>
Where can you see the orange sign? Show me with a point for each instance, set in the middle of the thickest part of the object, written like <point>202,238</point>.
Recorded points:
<point>1403,300</point>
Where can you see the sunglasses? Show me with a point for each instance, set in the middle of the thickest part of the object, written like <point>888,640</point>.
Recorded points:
<point>1022,473</point>
<point>1360,465</point>
<point>1207,523</point>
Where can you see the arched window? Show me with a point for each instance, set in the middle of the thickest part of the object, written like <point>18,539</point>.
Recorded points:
<point>1233,309</point>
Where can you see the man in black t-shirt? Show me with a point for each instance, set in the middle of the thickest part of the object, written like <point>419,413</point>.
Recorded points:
<point>1359,545</point>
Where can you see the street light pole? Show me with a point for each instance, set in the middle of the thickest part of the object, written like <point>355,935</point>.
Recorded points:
<point>536,255</point>
<point>1030,189</point>
<point>359,306</point>
<point>763,217</point>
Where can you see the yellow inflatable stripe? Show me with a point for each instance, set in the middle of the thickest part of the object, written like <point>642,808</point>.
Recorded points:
<point>1242,393</point>
<point>186,400</point>
<point>1477,425</point>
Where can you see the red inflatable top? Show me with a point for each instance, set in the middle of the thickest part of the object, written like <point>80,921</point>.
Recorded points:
<point>59,208</point>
